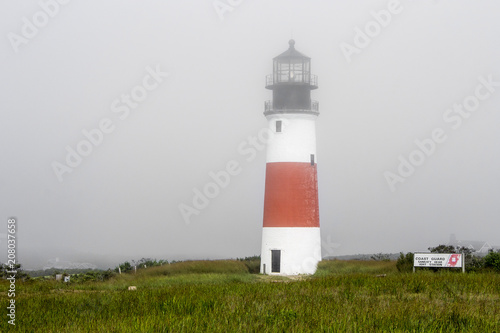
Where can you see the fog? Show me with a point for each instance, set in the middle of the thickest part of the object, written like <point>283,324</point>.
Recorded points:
<point>160,94</point>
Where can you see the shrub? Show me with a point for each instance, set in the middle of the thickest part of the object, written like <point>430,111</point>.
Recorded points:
<point>125,267</point>
<point>492,260</point>
<point>252,263</point>
<point>405,262</point>
<point>20,273</point>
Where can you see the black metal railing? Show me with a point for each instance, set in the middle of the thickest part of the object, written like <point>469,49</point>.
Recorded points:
<point>314,107</point>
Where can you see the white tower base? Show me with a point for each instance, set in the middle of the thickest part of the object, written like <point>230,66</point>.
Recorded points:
<point>299,250</point>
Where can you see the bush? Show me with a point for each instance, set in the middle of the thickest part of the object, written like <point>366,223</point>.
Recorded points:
<point>492,261</point>
<point>19,275</point>
<point>405,262</point>
<point>252,263</point>
<point>124,268</point>
<point>474,264</point>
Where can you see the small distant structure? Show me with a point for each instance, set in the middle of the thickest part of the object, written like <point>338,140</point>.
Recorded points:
<point>67,278</point>
<point>59,277</point>
<point>475,246</point>
<point>132,288</point>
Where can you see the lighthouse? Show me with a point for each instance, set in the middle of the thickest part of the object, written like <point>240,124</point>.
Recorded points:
<point>291,241</point>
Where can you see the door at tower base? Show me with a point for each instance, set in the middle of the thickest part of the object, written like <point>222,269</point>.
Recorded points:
<point>275,261</point>
<point>290,251</point>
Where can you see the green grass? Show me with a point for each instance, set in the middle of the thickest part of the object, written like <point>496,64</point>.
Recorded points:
<point>329,267</point>
<point>221,296</point>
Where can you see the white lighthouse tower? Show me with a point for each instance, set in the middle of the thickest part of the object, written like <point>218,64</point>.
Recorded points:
<point>291,242</point>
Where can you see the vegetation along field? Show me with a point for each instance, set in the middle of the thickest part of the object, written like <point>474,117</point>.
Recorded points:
<point>223,296</point>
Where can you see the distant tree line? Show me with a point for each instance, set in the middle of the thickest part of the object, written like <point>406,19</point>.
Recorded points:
<point>94,275</point>
<point>475,263</point>
<point>381,257</point>
<point>140,264</point>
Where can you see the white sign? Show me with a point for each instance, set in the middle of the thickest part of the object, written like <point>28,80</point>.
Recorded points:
<point>437,260</point>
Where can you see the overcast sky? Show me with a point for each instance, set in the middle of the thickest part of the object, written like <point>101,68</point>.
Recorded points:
<point>169,91</point>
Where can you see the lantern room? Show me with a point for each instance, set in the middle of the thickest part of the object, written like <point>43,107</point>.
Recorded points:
<point>291,83</point>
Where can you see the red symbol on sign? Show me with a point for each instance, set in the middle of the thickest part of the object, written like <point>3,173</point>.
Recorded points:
<point>452,262</point>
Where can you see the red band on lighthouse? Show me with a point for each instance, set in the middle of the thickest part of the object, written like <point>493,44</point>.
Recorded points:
<point>291,197</point>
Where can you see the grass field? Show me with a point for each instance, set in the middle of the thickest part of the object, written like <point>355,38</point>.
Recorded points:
<point>221,296</point>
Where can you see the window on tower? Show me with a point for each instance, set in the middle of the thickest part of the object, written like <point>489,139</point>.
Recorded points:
<point>312,159</point>
<point>278,126</point>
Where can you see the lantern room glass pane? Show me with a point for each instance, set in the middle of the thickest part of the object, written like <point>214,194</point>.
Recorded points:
<point>307,71</point>
<point>292,70</point>
<point>296,70</point>
<point>283,72</point>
